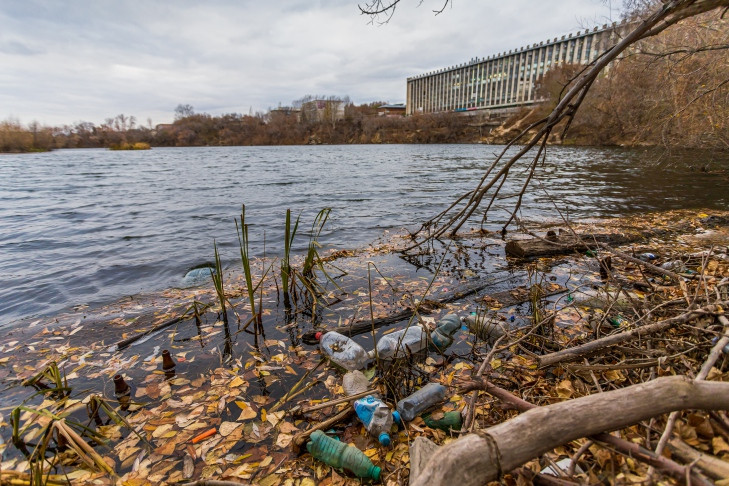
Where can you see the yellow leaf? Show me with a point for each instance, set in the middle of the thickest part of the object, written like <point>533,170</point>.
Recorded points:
<point>161,430</point>
<point>274,417</point>
<point>237,381</point>
<point>247,413</point>
<point>263,415</point>
<point>565,389</point>
<point>719,445</point>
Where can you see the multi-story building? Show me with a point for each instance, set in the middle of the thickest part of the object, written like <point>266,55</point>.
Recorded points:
<point>507,80</point>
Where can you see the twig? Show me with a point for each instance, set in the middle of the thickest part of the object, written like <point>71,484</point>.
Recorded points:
<point>331,403</point>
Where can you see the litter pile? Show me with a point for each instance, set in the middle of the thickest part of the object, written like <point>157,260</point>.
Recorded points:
<point>368,379</point>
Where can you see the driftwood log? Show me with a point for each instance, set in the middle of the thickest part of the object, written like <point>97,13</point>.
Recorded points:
<point>563,244</point>
<point>484,456</point>
<point>623,446</point>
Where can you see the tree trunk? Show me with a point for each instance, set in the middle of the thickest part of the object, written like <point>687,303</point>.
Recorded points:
<point>478,458</point>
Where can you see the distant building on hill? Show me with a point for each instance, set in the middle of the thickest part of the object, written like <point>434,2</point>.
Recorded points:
<point>391,110</point>
<point>505,81</point>
<point>322,110</point>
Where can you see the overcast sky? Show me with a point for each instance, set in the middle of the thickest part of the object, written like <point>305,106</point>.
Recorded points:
<point>64,62</point>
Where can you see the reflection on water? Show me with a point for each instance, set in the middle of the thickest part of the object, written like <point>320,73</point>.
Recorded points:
<point>89,226</point>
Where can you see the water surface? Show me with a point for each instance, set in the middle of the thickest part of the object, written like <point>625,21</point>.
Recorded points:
<point>90,226</point>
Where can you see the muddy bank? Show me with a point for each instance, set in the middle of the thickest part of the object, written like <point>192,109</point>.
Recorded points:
<point>247,388</point>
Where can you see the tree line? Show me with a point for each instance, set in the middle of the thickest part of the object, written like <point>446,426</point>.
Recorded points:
<point>668,90</point>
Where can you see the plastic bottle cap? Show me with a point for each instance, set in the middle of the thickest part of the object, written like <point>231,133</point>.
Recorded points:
<point>317,336</point>
<point>397,418</point>
<point>384,439</point>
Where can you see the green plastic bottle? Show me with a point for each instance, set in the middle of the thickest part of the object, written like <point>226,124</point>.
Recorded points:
<point>450,420</point>
<point>340,455</point>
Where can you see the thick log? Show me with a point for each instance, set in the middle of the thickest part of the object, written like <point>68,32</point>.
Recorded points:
<point>621,445</point>
<point>481,457</point>
<point>563,244</point>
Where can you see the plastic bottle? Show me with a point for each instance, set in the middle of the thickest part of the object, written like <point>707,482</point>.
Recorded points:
<point>410,407</point>
<point>442,336</point>
<point>342,351</point>
<point>675,266</point>
<point>646,257</point>
<point>355,382</point>
<point>401,343</point>
<point>450,421</point>
<point>340,455</point>
<point>376,417</point>
<point>488,330</point>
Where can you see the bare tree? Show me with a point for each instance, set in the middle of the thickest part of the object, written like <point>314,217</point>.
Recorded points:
<point>379,9</point>
<point>668,13</point>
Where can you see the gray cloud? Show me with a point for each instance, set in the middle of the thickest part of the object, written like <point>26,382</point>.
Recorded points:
<point>69,61</point>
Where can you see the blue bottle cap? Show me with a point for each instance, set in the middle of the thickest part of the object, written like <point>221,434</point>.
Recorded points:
<point>384,439</point>
<point>397,418</point>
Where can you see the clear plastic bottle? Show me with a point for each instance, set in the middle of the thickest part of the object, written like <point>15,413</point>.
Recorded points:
<point>485,329</point>
<point>410,407</point>
<point>355,382</point>
<point>376,417</point>
<point>442,336</point>
<point>342,351</point>
<point>401,343</point>
<point>340,455</point>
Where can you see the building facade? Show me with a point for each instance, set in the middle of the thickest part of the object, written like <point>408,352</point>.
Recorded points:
<point>507,80</point>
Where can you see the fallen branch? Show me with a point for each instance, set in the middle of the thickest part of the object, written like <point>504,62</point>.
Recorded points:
<point>361,327</point>
<point>302,437</point>
<point>485,455</point>
<point>331,403</point>
<point>711,465</point>
<point>601,344</point>
<point>638,261</point>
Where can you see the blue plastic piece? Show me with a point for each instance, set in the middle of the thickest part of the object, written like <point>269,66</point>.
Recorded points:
<point>398,420</point>
<point>375,416</point>
<point>384,439</point>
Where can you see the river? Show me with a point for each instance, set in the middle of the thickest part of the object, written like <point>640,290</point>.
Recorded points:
<point>89,226</point>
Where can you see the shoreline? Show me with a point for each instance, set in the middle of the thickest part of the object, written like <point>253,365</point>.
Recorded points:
<point>237,385</point>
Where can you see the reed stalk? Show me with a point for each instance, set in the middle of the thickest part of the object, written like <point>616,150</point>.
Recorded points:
<point>217,277</point>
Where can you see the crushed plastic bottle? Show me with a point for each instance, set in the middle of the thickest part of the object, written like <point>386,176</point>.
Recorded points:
<point>410,407</point>
<point>340,455</point>
<point>354,383</point>
<point>646,257</point>
<point>376,417</point>
<point>401,343</point>
<point>676,266</point>
<point>342,351</point>
<point>484,328</point>
<point>450,421</point>
<point>442,336</point>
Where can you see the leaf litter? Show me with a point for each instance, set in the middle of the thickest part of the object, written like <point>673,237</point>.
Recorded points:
<point>232,411</point>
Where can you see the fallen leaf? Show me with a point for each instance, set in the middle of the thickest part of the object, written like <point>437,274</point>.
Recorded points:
<point>226,428</point>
